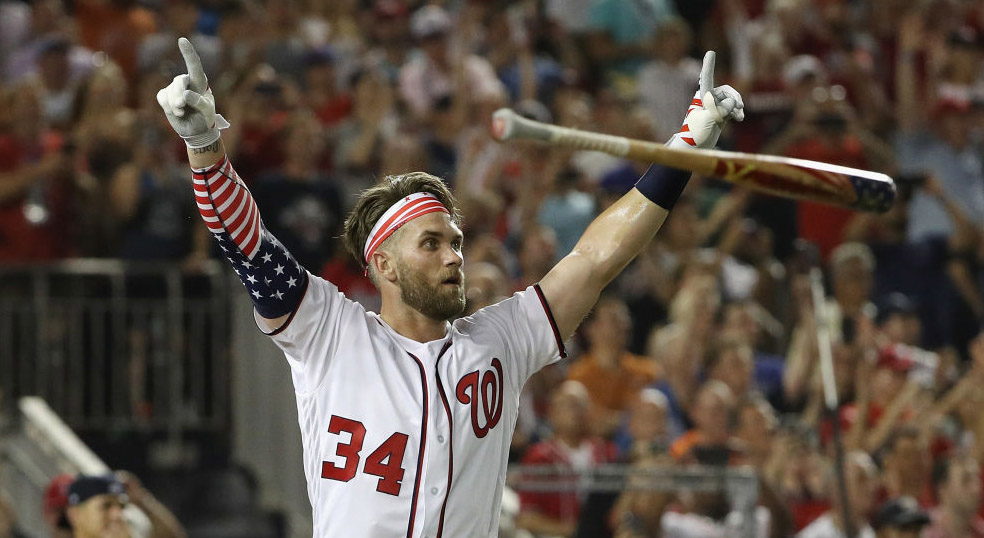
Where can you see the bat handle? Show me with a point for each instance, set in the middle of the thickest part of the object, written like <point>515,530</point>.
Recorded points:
<point>507,125</point>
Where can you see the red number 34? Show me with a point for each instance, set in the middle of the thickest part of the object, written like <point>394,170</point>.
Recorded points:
<point>385,462</point>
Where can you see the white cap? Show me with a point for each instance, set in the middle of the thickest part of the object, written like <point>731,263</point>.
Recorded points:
<point>429,20</point>
<point>799,67</point>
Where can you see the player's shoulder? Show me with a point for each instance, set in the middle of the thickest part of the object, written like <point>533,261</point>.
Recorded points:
<point>324,293</point>
<point>500,309</point>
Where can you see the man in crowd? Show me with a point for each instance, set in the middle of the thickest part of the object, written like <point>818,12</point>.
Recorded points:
<point>571,447</point>
<point>612,375</point>
<point>95,507</point>
<point>958,485</point>
<point>900,518</point>
<point>861,476</point>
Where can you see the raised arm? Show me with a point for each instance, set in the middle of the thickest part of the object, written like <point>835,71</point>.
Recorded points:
<point>616,236</point>
<point>274,280</point>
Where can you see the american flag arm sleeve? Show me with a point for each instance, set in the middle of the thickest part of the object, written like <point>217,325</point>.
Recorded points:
<point>273,278</point>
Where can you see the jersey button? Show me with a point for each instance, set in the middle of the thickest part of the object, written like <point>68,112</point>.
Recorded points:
<point>440,438</point>
<point>434,491</point>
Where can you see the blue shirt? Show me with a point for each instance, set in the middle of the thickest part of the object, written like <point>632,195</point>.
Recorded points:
<point>960,172</point>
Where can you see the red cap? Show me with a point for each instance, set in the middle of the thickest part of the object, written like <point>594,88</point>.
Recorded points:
<point>944,106</point>
<point>390,9</point>
<point>56,493</point>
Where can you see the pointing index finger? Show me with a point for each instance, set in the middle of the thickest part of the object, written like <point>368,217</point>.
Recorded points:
<point>707,73</point>
<point>194,65</point>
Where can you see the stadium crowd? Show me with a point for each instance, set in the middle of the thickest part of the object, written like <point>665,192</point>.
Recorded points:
<point>705,350</point>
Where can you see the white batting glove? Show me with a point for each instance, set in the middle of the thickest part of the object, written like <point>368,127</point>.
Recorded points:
<point>708,111</point>
<point>188,103</point>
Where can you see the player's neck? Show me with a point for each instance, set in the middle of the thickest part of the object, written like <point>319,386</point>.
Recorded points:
<point>412,324</point>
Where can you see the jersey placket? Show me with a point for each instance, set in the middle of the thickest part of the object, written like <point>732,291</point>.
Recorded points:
<point>438,457</point>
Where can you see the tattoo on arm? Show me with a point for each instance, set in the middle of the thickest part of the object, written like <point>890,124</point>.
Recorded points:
<point>211,148</point>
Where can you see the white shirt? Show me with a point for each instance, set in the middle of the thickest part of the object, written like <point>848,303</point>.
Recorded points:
<point>823,527</point>
<point>677,525</point>
<point>402,438</point>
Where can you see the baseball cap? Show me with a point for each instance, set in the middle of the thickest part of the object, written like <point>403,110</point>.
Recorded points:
<point>901,512</point>
<point>800,68</point>
<point>429,21</point>
<point>319,56</point>
<point>86,487</point>
<point>895,303</point>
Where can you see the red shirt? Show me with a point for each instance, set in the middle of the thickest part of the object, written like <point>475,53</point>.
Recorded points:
<point>563,505</point>
<point>820,223</point>
<point>20,239</point>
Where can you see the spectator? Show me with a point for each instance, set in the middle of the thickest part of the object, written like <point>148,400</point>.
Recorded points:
<point>536,254</point>
<point>748,321</point>
<point>438,71</point>
<point>487,285</point>
<point>321,88</point>
<point>621,33</point>
<point>958,485</point>
<point>731,363</point>
<point>666,83</point>
<point>935,137</point>
<point>612,375</point>
<point>95,507</point>
<point>179,18</point>
<point>37,183</point>
<point>571,447</point>
<point>861,476</point>
<point>647,429</point>
<point>756,428</point>
<point>907,467</point>
<point>711,414</point>
<point>900,518</point>
<point>302,207</point>
<point>898,321</point>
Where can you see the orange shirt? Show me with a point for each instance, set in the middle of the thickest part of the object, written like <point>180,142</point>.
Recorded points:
<point>614,388</point>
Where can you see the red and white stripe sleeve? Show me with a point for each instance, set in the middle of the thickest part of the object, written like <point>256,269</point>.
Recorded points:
<point>227,206</point>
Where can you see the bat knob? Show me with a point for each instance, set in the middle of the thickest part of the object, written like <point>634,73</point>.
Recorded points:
<point>503,124</point>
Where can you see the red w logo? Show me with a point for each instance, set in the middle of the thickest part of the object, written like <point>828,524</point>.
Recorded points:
<point>485,392</point>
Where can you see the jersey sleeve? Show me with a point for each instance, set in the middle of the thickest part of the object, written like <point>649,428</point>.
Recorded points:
<point>310,337</point>
<point>524,326</point>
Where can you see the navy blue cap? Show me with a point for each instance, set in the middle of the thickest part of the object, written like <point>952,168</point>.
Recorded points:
<point>902,512</point>
<point>895,303</point>
<point>319,56</point>
<point>86,487</point>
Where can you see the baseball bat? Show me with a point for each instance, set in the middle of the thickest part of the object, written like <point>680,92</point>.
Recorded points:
<point>781,176</point>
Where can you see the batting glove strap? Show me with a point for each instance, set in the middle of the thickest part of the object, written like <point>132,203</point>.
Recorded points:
<point>700,128</point>
<point>209,137</point>
<point>274,279</point>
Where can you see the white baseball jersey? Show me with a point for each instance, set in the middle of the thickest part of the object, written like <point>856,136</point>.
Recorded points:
<point>403,438</point>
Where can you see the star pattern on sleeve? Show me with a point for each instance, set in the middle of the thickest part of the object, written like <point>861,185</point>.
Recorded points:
<point>266,283</point>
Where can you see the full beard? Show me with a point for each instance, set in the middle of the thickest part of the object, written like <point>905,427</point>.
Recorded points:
<point>434,301</point>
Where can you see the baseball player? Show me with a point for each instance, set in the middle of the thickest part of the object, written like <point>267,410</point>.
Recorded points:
<point>405,415</point>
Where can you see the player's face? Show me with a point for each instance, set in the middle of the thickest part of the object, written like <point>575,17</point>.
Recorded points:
<point>99,516</point>
<point>428,267</point>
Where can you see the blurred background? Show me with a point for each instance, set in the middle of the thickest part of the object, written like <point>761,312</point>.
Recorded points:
<point>125,345</point>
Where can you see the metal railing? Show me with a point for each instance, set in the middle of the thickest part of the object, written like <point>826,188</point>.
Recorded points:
<point>113,344</point>
<point>739,485</point>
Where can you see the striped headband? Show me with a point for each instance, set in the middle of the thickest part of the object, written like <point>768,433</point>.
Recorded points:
<point>403,211</point>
